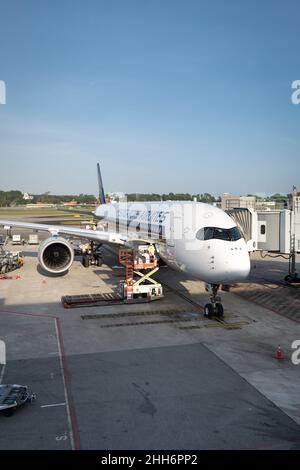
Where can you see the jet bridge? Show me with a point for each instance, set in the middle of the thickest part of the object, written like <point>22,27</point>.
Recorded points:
<point>246,221</point>
<point>274,231</point>
<point>268,230</point>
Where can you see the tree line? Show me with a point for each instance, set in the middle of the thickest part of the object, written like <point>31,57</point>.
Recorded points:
<point>15,198</point>
<point>206,197</point>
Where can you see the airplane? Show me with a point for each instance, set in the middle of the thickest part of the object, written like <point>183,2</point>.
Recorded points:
<point>193,237</point>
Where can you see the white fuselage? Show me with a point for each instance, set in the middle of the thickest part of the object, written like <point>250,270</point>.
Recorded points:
<point>193,237</point>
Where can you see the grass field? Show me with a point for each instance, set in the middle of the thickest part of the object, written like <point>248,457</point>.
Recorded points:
<point>6,212</point>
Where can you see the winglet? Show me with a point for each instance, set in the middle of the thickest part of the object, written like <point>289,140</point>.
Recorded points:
<point>100,184</point>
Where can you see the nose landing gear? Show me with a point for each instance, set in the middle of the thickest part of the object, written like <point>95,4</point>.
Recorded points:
<point>215,308</point>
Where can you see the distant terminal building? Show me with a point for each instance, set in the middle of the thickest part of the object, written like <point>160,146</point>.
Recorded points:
<point>236,202</point>
<point>229,202</point>
<point>266,205</point>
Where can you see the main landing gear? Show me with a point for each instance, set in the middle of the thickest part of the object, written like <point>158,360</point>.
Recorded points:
<point>92,256</point>
<point>215,308</point>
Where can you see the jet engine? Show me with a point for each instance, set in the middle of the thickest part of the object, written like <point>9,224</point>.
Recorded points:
<point>56,255</point>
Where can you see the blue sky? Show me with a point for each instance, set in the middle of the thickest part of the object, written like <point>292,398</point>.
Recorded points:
<point>182,96</point>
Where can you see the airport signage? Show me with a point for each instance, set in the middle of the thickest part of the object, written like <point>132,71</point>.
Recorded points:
<point>2,92</point>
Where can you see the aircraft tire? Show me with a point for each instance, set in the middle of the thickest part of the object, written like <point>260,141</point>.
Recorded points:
<point>86,261</point>
<point>219,310</point>
<point>208,311</point>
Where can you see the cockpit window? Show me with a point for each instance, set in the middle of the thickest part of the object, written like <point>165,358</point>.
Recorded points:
<point>227,234</point>
<point>235,234</point>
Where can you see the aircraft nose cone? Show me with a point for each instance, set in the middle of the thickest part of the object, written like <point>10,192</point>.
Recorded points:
<point>239,269</point>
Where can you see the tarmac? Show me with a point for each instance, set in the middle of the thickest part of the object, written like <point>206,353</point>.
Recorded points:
<point>147,376</point>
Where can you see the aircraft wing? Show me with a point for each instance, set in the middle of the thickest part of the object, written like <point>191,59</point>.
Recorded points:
<point>94,235</point>
<point>81,212</point>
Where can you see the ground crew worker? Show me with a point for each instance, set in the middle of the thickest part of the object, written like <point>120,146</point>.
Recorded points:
<point>151,251</point>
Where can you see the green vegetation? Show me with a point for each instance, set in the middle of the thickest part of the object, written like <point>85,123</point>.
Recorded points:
<point>206,197</point>
<point>280,197</point>
<point>11,198</point>
<point>53,199</point>
<point>15,198</point>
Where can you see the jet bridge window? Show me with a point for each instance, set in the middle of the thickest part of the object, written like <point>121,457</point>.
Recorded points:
<point>227,234</point>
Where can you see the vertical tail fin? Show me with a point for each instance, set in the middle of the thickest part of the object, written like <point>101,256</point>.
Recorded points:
<point>100,185</point>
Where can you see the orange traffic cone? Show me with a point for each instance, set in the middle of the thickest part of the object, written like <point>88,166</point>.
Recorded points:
<point>279,353</point>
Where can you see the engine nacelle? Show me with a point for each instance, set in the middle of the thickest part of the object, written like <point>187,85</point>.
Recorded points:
<point>55,255</point>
